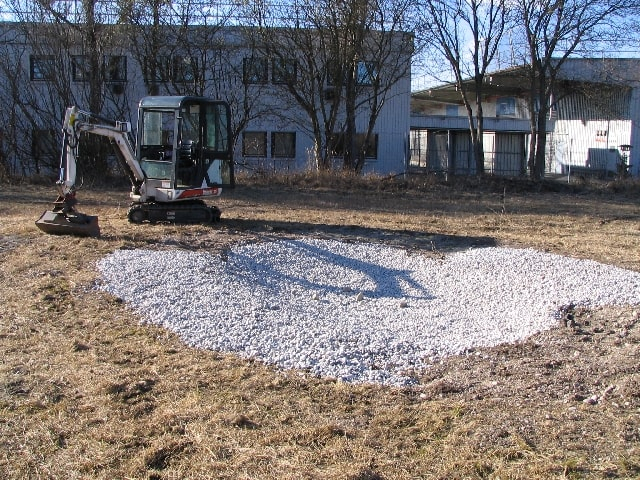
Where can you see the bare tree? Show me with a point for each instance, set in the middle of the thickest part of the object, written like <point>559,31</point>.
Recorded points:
<point>553,30</point>
<point>184,49</point>
<point>16,155</point>
<point>383,60</point>
<point>58,56</point>
<point>337,64</point>
<point>468,34</point>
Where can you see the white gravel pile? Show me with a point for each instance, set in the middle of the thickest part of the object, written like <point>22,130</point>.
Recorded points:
<point>357,311</point>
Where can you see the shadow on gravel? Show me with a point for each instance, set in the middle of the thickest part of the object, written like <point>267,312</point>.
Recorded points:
<point>353,233</point>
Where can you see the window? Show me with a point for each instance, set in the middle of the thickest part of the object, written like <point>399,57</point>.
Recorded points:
<point>283,144</point>
<point>335,75</point>
<point>156,144</point>
<point>157,69</point>
<point>370,149</point>
<point>157,128</point>
<point>217,128</point>
<point>80,69</point>
<point>254,70</point>
<point>43,143</point>
<point>452,110</point>
<point>366,73</point>
<point>185,69</point>
<point>115,68</point>
<point>190,130</point>
<point>284,71</point>
<point>506,106</point>
<point>41,67</point>
<point>254,144</point>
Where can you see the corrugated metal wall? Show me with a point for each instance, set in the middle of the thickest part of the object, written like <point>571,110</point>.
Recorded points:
<point>591,127</point>
<point>504,153</point>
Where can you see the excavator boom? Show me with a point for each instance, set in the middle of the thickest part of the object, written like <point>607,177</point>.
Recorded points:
<point>64,219</point>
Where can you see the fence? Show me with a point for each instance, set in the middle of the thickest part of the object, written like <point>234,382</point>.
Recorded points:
<point>450,152</point>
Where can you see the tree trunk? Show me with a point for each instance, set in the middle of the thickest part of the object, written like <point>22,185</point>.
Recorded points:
<point>537,157</point>
<point>93,57</point>
<point>541,144</point>
<point>533,139</point>
<point>478,146</point>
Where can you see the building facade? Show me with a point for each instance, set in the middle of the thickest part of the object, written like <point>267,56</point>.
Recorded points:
<point>275,100</point>
<point>593,127</point>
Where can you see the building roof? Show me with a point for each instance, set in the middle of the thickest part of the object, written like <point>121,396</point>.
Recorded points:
<point>514,81</point>
<point>502,82</point>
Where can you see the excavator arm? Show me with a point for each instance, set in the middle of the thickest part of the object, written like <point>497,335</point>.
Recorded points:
<point>64,218</point>
<point>77,121</point>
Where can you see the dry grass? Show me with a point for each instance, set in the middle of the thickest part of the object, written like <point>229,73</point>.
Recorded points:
<point>86,391</point>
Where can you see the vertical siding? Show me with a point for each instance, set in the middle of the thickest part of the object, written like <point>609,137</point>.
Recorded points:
<point>510,154</point>
<point>591,144</point>
<point>462,154</point>
<point>504,153</point>
<point>634,136</point>
<point>590,130</point>
<point>392,128</point>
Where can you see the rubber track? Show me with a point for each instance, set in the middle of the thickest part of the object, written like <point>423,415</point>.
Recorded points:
<point>180,212</point>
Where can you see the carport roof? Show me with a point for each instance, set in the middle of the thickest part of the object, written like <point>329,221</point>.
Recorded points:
<point>515,81</point>
<point>512,81</point>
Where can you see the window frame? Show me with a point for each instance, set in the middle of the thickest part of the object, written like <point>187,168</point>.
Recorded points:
<point>255,70</point>
<point>42,68</point>
<point>284,71</point>
<point>371,152</point>
<point>506,106</point>
<point>115,68</point>
<point>335,77</point>
<point>80,72</point>
<point>182,66</point>
<point>158,69</point>
<point>450,112</point>
<point>367,73</point>
<point>288,140</point>
<point>260,146</point>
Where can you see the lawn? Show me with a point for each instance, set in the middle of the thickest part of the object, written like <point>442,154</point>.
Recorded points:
<point>88,391</point>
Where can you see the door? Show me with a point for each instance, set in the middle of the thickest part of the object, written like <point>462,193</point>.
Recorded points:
<point>204,149</point>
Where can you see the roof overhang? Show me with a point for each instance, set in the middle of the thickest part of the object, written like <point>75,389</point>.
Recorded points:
<point>510,82</point>
<point>516,81</point>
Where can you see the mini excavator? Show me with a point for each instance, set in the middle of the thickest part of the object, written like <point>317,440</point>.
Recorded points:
<point>182,155</point>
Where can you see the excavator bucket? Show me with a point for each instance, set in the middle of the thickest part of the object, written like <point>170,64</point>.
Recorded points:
<point>60,223</point>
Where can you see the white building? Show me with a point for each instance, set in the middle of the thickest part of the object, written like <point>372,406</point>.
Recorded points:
<point>593,128</point>
<point>46,69</point>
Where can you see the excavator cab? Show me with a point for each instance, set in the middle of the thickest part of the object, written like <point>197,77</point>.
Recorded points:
<point>184,145</point>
